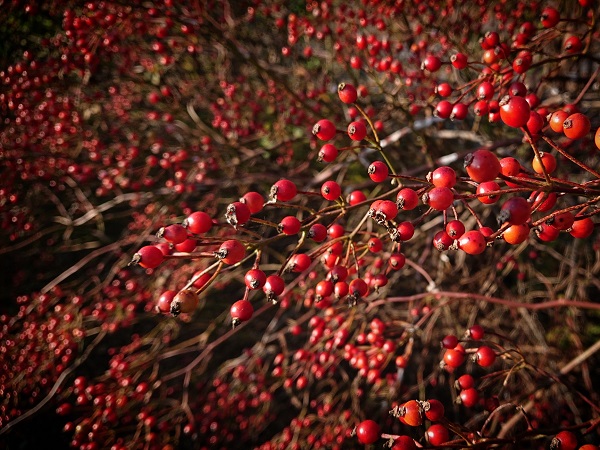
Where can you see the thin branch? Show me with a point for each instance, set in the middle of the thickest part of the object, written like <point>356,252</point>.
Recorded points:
<point>511,304</point>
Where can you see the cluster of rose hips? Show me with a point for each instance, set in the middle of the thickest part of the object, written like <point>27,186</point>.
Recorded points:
<point>415,413</point>
<point>438,191</point>
<point>186,237</point>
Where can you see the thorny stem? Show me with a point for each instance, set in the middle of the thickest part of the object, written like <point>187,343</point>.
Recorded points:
<point>511,304</point>
<point>218,265</point>
<point>570,208</point>
<point>571,158</point>
<point>538,155</point>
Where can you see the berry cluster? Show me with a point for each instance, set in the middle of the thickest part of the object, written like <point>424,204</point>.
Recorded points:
<point>274,225</point>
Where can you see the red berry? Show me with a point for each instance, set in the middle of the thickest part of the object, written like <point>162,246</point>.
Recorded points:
<point>557,119</point>
<point>472,242</point>
<point>255,279</point>
<point>200,279</point>
<point>241,311</point>
<point>368,432</point>
<point>515,210</point>
<point>484,188</point>
<point>517,88</point>
<point>522,61</point>
<point>274,286</point>
<point>357,131</point>
<point>289,225</point>
<point>237,213</point>
<point>330,190</point>
<point>485,91</point>
<point>431,63</point>
<point>486,231</point>
<point>324,129</point>
<point>401,362</point>
<point>164,301</point>
<point>198,222</point>
<point>454,357</point>
<point>404,442</point>
<point>355,62</point>
<point>396,261</point>
<point>535,123</point>
<point>439,198</point>
<point>443,109</point>
<point>565,440</point>
<point>254,200</point>
<point>550,17</point>
<point>437,434</point>
<point>64,409</point>
<point>442,241</point>
<point>299,262</point>
<point>383,210</point>
<point>494,109</point>
<point>407,199</point>
<point>323,289</point>
<point>490,40</point>
<point>576,126</point>
<point>469,397</point>
<point>347,93</point>
<point>335,231</point>
<point>459,111</point>
<point>515,234</point>
<point>485,356</point>
<point>459,60</point>
<point>476,332</point>
<point>514,111</point>
<point>374,245</point>
<point>175,234</point>
<point>450,341</point>
<point>548,162</point>
<point>317,232</point>
<point>573,44</point>
<point>187,246</point>
<point>547,233</point>
<point>358,287</point>
<point>411,413</point>
<point>465,381</point>
<point>482,165</point>
<point>434,410</point>
<point>405,230</point>
<point>444,89</point>
<point>534,102</point>
<point>378,171</point>
<point>562,221</point>
<point>481,108</point>
<point>509,166</point>
<point>544,201</point>
<point>582,228</point>
<point>356,197</point>
<point>231,251</point>
<point>283,190</point>
<point>328,153</point>
<point>341,289</point>
<point>149,257</point>
<point>443,176</point>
